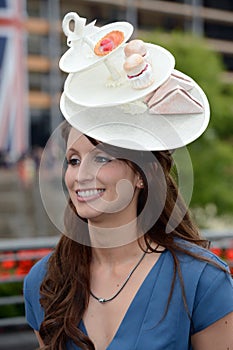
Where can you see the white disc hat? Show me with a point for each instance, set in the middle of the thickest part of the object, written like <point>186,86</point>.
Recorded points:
<point>155,108</point>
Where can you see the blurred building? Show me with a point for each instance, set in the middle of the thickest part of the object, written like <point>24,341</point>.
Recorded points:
<point>212,19</point>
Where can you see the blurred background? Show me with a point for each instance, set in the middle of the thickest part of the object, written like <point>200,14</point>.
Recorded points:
<point>200,35</point>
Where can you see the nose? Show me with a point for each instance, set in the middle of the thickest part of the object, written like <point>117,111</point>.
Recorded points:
<point>86,171</point>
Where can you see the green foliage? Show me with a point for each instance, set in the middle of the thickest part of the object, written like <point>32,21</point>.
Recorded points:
<point>10,289</point>
<point>213,174</point>
<point>211,155</point>
<point>194,57</point>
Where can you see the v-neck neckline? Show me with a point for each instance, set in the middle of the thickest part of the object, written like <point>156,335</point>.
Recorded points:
<point>135,301</point>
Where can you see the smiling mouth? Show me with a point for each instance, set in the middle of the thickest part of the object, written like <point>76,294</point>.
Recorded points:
<point>90,194</point>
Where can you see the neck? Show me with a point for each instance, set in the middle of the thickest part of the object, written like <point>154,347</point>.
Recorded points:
<point>118,255</point>
<point>113,237</point>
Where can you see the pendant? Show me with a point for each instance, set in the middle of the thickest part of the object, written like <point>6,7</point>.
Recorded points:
<point>102,300</point>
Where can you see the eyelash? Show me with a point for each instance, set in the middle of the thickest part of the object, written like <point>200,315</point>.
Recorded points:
<point>73,161</point>
<point>99,159</point>
<point>103,159</point>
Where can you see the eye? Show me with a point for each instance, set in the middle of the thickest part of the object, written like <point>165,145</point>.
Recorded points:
<point>103,159</point>
<point>73,161</point>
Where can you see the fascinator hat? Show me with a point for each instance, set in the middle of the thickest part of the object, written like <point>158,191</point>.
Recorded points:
<point>127,93</point>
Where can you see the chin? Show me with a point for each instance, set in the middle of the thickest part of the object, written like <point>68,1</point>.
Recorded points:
<point>88,214</point>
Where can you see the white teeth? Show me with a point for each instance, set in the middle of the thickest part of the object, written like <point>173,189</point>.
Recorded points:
<point>89,193</point>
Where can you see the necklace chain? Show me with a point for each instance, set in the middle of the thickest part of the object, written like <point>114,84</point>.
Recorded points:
<point>103,300</point>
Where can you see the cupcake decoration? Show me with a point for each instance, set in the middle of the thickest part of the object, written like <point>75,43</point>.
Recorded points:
<point>137,66</point>
<point>139,71</point>
<point>135,46</point>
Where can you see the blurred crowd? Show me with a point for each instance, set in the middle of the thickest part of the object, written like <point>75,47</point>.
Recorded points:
<point>27,165</point>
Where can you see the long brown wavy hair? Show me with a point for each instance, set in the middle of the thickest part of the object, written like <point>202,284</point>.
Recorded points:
<point>65,289</point>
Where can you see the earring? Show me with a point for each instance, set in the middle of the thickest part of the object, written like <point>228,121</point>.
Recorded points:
<point>141,183</point>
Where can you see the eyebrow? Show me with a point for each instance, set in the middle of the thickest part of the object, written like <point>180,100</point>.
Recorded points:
<point>96,149</point>
<point>72,150</point>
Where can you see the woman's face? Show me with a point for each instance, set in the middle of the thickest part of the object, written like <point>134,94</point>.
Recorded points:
<point>100,186</point>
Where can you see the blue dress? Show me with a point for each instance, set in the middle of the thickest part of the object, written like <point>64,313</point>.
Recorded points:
<point>209,295</point>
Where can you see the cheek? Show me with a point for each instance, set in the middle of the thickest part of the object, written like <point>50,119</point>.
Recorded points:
<point>68,178</point>
<point>115,177</point>
<point>105,174</point>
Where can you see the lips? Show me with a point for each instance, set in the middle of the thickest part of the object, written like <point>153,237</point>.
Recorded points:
<point>89,194</point>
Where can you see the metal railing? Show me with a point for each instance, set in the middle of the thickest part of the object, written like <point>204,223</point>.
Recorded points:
<point>19,255</point>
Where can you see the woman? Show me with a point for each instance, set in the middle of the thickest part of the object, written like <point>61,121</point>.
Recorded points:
<point>179,296</point>
<point>131,270</point>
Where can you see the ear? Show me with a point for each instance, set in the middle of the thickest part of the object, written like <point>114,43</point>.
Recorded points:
<point>149,173</point>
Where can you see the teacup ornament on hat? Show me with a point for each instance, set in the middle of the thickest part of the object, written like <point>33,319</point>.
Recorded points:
<point>83,40</point>
<point>129,97</point>
<point>95,63</point>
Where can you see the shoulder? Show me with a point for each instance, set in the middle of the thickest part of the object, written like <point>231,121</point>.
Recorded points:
<point>202,272</point>
<point>208,285</point>
<point>202,265</point>
<point>199,255</point>
<point>193,261</point>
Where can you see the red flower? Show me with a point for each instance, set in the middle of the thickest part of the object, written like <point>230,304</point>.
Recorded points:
<point>8,264</point>
<point>229,254</point>
<point>217,251</point>
<point>23,267</point>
